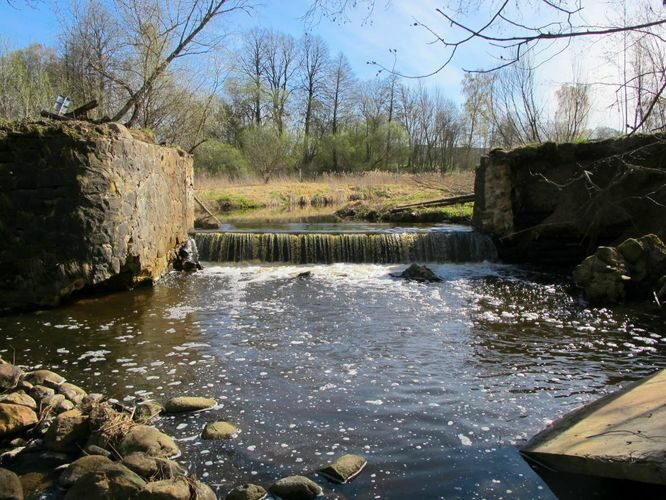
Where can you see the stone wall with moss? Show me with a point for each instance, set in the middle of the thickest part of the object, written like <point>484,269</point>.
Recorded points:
<point>86,206</point>
<point>557,202</point>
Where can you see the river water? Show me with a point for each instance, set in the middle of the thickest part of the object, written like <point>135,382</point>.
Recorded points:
<point>436,384</point>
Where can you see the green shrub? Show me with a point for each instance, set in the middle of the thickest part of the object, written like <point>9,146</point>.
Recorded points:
<point>217,158</point>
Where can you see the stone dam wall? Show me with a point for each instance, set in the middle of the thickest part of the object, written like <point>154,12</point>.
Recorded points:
<point>556,203</point>
<point>83,206</point>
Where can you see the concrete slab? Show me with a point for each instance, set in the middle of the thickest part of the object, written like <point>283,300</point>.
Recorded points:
<point>621,436</point>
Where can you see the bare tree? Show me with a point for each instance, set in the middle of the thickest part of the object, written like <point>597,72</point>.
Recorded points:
<point>149,36</point>
<point>314,69</point>
<point>252,66</point>
<point>342,87</point>
<point>573,111</point>
<point>281,56</point>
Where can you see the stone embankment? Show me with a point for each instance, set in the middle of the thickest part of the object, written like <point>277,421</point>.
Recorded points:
<point>87,207</point>
<point>555,203</point>
<point>57,440</point>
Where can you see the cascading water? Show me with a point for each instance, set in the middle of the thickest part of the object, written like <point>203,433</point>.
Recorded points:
<point>326,248</point>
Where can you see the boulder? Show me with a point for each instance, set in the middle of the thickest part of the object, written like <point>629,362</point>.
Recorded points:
<point>68,432</point>
<point>631,270</point>
<point>187,257</point>
<point>15,418</point>
<point>219,430</point>
<point>152,468</point>
<point>72,392</point>
<point>39,392</point>
<point>9,376</point>
<point>247,492</point>
<point>416,272</point>
<point>169,489</point>
<point>19,398</point>
<point>296,488</point>
<point>112,481</point>
<point>79,468</point>
<point>202,491</point>
<point>53,402</point>
<point>147,411</point>
<point>92,449</point>
<point>44,377</point>
<point>10,486</point>
<point>188,403</point>
<point>344,468</point>
<point>145,439</point>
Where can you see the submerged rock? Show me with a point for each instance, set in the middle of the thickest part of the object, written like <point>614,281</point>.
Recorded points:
<point>296,488</point>
<point>247,492</point>
<point>303,275</point>
<point>344,469</point>
<point>149,440</point>
<point>15,418</point>
<point>188,403</point>
<point>416,272</point>
<point>10,486</point>
<point>219,430</point>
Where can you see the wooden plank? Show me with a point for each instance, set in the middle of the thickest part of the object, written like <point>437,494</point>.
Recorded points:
<point>621,436</point>
<point>443,202</point>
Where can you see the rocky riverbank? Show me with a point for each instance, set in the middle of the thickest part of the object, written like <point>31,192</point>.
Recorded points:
<point>57,440</point>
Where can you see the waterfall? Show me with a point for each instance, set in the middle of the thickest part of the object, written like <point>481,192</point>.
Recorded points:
<point>326,248</point>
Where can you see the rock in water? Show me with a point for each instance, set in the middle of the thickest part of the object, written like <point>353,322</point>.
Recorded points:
<point>72,392</point>
<point>304,274</point>
<point>296,488</point>
<point>15,418</point>
<point>110,482</point>
<point>344,469</point>
<point>219,430</point>
<point>149,440</point>
<point>9,376</point>
<point>147,411</point>
<point>19,398</point>
<point>417,272</point>
<point>68,432</point>
<point>187,258</point>
<point>247,492</point>
<point>45,377</point>
<point>79,468</point>
<point>10,486</point>
<point>152,467</point>
<point>188,403</point>
<point>632,270</point>
<point>169,489</point>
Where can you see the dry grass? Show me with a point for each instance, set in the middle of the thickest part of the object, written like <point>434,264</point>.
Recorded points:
<point>223,195</point>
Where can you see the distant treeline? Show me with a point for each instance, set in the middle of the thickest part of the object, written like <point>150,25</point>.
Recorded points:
<point>273,104</point>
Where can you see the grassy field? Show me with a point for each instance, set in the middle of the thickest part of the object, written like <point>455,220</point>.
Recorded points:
<point>377,190</point>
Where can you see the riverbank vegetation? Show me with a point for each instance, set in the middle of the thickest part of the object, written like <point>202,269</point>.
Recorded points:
<point>366,193</point>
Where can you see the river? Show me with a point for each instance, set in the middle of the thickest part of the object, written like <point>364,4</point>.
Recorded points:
<point>435,383</point>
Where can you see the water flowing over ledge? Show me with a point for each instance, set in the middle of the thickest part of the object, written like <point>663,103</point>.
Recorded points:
<point>326,248</point>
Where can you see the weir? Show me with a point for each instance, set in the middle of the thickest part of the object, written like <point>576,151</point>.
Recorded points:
<point>327,248</point>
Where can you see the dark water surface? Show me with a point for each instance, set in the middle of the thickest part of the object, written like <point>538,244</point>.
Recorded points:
<point>436,384</point>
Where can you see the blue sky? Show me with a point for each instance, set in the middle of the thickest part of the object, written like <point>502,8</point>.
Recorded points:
<point>391,28</point>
